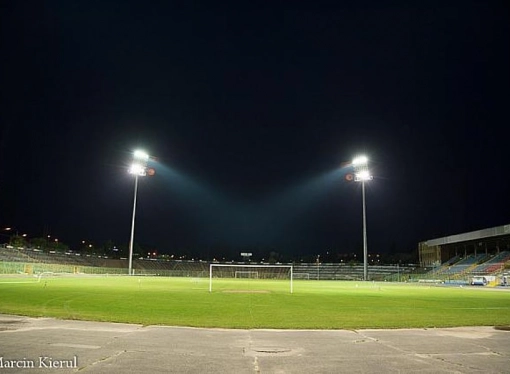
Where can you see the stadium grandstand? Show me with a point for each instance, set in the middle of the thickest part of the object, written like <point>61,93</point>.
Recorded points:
<point>460,258</point>
<point>453,259</point>
<point>35,261</point>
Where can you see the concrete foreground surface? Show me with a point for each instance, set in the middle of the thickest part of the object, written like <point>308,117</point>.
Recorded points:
<point>46,345</point>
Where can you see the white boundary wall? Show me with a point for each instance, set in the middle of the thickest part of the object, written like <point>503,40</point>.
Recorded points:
<point>211,266</point>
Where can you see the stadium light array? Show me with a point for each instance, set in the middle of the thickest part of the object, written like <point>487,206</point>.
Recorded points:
<point>360,161</point>
<point>141,156</point>
<point>139,169</point>
<point>362,174</point>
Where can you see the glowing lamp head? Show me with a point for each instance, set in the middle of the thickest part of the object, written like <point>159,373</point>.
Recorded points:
<point>137,169</point>
<point>139,166</point>
<point>141,155</point>
<point>363,175</point>
<point>360,161</point>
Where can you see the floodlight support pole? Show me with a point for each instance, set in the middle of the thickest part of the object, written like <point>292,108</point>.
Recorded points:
<point>365,250</point>
<point>132,238</point>
<point>362,174</point>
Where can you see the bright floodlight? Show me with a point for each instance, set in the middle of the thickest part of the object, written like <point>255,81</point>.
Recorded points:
<point>141,155</point>
<point>363,175</point>
<point>360,160</point>
<point>137,169</point>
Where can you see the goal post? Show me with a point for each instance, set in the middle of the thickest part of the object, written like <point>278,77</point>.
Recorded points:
<point>252,272</point>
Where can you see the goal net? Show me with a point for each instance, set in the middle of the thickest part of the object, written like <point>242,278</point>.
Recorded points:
<point>243,276</point>
<point>247,274</point>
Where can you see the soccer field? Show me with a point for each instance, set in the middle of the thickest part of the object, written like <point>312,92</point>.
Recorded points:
<point>254,303</point>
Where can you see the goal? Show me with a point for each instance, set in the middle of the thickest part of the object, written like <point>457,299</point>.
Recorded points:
<point>247,274</point>
<point>264,272</point>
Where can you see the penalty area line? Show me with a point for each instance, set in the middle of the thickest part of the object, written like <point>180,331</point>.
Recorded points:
<point>19,282</point>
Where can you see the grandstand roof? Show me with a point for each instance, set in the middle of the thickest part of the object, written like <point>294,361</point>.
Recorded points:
<point>473,235</point>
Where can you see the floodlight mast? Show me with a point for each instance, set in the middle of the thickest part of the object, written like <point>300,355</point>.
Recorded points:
<point>138,169</point>
<point>362,174</point>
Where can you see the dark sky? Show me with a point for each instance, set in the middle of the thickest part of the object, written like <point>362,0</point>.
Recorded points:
<point>249,111</point>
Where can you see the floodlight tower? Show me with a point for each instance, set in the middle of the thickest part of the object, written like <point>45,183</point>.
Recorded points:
<point>362,174</point>
<point>138,169</point>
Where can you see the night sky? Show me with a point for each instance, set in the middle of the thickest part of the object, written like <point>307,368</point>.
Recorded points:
<point>249,112</point>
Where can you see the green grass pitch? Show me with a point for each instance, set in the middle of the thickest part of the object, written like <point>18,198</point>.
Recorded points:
<point>251,304</point>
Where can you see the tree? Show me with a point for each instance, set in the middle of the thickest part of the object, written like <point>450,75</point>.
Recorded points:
<point>273,257</point>
<point>59,246</point>
<point>18,241</point>
<point>41,243</point>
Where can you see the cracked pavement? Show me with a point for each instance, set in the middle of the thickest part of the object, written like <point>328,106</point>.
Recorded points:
<point>103,347</point>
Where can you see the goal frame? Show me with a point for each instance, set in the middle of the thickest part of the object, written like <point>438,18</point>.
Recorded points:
<point>211,266</point>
